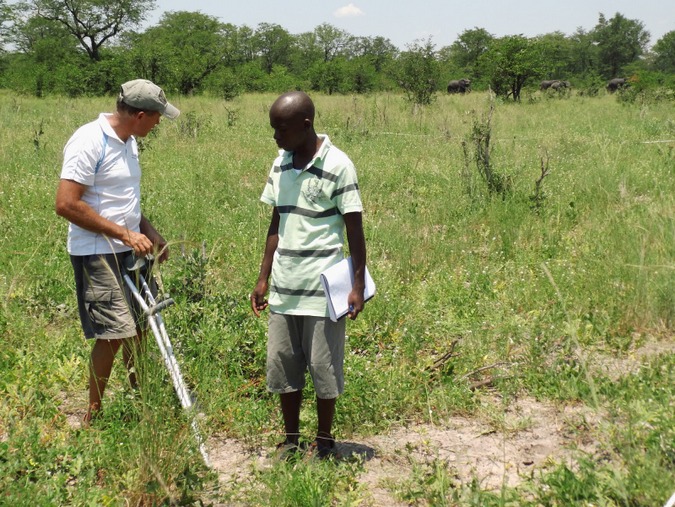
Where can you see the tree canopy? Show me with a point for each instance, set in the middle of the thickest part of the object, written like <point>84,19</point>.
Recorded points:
<point>665,53</point>
<point>620,42</point>
<point>510,62</point>
<point>90,46</point>
<point>92,22</point>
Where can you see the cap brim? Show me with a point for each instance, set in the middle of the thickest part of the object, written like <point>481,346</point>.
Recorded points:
<point>171,112</point>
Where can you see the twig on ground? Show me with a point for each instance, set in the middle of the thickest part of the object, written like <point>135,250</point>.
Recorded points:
<point>445,357</point>
<point>485,382</point>
<point>483,368</point>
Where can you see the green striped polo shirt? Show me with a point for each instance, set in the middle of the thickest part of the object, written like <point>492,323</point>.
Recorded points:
<point>311,228</point>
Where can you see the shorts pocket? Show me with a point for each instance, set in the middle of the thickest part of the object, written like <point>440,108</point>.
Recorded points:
<point>98,303</point>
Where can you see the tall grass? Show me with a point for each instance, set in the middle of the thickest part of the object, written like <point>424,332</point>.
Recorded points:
<point>528,291</point>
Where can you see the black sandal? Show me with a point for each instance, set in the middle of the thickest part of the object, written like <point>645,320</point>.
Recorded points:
<point>324,446</point>
<point>287,449</point>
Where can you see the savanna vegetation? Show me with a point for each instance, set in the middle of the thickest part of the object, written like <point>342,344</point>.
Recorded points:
<point>527,239</point>
<point>88,47</point>
<point>514,244</point>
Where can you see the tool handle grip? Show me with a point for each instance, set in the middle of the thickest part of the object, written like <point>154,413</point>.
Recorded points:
<point>159,307</point>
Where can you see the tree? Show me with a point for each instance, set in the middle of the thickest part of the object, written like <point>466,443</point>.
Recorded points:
<point>664,49</point>
<point>556,53</point>
<point>46,58</point>
<point>510,63</point>
<point>583,53</point>
<point>468,48</point>
<point>378,50</point>
<point>370,57</point>
<point>27,32</point>
<point>182,50</point>
<point>331,40</point>
<point>307,53</point>
<point>93,22</point>
<point>329,76</point>
<point>245,43</point>
<point>274,46</point>
<point>6,19</point>
<point>418,72</point>
<point>620,41</point>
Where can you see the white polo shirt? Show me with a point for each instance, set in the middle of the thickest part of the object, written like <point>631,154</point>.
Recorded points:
<point>97,158</point>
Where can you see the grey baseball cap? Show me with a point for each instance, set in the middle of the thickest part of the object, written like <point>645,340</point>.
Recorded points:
<point>146,95</point>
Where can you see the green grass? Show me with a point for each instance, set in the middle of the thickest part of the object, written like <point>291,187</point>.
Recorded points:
<point>536,290</point>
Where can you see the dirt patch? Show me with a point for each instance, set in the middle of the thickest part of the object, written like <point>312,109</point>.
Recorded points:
<point>630,363</point>
<point>527,436</point>
<point>73,406</point>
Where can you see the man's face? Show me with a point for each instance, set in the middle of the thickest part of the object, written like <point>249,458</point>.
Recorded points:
<point>290,130</point>
<point>145,122</point>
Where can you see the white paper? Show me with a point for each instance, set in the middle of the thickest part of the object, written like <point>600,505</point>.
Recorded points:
<point>337,282</point>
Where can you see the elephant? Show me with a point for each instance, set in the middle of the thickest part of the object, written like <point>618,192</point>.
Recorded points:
<point>560,85</point>
<point>616,83</point>
<point>545,85</point>
<point>555,84</point>
<point>459,86</point>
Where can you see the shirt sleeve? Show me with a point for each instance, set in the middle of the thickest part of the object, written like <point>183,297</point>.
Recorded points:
<point>346,195</point>
<point>270,193</point>
<point>80,157</point>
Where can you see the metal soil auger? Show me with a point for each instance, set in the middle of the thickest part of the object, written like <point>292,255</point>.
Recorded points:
<point>152,309</point>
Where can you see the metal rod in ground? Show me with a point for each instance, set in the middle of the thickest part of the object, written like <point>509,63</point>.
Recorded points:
<point>172,366</point>
<point>166,349</point>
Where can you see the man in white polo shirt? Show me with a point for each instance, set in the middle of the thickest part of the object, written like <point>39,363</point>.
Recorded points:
<point>99,194</point>
<point>314,192</point>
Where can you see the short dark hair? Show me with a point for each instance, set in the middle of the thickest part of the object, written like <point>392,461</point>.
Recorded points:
<point>123,107</point>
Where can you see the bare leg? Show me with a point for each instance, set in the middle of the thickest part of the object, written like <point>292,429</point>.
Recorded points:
<point>325,443</point>
<point>325,409</point>
<point>130,350</point>
<point>290,408</point>
<point>102,356</point>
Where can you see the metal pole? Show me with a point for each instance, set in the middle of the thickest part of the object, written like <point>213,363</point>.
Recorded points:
<point>152,310</point>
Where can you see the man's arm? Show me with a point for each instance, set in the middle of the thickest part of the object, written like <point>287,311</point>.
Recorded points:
<point>357,250</point>
<point>69,205</point>
<point>258,301</point>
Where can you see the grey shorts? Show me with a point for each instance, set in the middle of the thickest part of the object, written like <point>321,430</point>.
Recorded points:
<point>105,303</point>
<point>297,343</point>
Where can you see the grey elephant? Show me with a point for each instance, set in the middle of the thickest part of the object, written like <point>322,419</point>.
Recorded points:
<point>560,85</point>
<point>545,85</point>
<point>459,86</point>
<point>616,83</point>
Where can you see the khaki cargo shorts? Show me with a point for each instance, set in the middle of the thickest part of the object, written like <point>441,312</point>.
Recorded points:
<point>105,303</point>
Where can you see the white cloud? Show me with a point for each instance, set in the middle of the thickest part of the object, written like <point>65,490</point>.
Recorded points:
<point>348,11</point>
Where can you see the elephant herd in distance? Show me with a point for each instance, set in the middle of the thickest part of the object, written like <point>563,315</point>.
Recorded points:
<point>464,85</point>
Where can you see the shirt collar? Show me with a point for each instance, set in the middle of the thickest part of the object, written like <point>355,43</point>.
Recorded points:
<point>319,156</point>
<point>107,128</point>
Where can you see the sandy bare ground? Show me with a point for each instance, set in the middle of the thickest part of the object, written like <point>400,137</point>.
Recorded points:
<point>530,436</point>
<point>505,444</point>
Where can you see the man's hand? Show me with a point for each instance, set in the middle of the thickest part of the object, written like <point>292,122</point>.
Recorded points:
<point>258,301</point>
<point>158,245</point>
<point>356,303</point>
<point>140,243</point>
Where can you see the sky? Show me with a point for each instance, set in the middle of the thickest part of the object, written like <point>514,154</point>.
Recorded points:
<point>404,22</point>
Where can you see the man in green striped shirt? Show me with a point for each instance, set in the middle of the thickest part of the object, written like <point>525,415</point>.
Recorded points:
<point>314,192</point>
